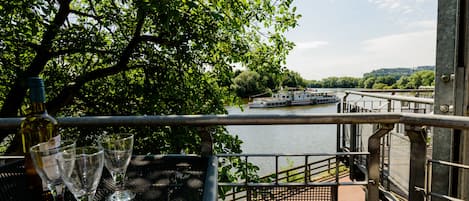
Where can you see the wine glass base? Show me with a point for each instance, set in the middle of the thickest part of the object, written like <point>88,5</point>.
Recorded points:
<point>124,195</point>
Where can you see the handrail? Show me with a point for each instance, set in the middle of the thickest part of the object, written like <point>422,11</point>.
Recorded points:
<point>393,97</point>
<point>396,90</point>
<point>445,121</point>
<point>410,119</point>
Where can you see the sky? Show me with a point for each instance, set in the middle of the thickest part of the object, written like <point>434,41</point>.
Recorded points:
<point>353,37</point>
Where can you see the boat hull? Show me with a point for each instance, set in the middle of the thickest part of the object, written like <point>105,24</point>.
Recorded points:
<point>286,103</point>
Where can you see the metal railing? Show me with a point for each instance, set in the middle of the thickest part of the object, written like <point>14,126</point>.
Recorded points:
<point>387,103</point>
<point>323,174</point>
<point>428,189</point>
<point>413,122</point>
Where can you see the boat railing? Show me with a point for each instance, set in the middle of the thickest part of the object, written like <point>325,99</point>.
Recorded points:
<point>415,125</point>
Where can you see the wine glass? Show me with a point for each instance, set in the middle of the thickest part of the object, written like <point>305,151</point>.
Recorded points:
<point>81,170</point>
<point>117,153</point>
<point>43,156</point>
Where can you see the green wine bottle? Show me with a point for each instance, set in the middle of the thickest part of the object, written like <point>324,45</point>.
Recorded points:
<point>37,127</point>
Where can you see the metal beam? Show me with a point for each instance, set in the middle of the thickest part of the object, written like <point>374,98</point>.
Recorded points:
<point>393,97</point>
<point>444,121</point>
<point>418,161</point>
<point>373,161</point>
<point>450,89</point>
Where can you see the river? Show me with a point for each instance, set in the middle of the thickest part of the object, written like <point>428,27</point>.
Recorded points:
<point>285,139</point>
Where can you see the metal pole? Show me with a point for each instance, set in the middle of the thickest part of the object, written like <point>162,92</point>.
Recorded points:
<point>373,161</point>
<point>211,180</point>
<point>338,136</point>
<point>418,159</point>
<point>446,57</point>
<point>206,141</point>
<point>276,170</point>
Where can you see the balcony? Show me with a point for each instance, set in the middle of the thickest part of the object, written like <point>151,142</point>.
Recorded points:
<point>367,168</point>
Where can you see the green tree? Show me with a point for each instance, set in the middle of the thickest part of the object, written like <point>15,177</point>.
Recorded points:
<point>314,84</point>
<point>387,79</point>
<point>329,82</point>
<point>248,83</point>
<point>369,82</point>
<point>402,82</point>
<point>136,57</point>
<point>378,85</point>
<point>421,78</point>
<point>347,82</point>
<point>293,79</point>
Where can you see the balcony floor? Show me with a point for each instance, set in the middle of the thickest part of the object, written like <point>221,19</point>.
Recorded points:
<point>346,193</point>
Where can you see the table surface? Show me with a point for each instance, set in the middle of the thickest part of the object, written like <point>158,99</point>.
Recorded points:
<point>159,177</point>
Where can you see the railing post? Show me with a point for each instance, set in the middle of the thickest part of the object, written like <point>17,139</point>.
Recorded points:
<point>206,141</point>
<point>390,108</point>
<point>338,132</point>
<point>373,161</point>
<point>418,159</point>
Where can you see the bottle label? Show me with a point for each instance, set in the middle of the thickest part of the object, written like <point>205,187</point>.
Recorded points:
<point>49,162</point>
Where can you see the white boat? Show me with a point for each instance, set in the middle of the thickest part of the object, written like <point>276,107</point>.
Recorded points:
<point>293,98</point>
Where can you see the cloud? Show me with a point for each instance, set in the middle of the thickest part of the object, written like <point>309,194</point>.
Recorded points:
<point>423,24</point>
<point>311,44</point>
<point>408,49</point>
<point>390,4</point>
<point>405,49</point>
<point>401,6</point>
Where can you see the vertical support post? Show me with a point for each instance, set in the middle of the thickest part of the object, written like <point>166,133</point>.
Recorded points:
<point>344,110</point>
<point>389,105</point>
<point>373,161</point>
<point>206,141</point>
<point>418,160</point>
<point>446,58</point>
<point>383,152</point>
<point>339,136</point>
<point>353,148</point>
<point>461,103</point>
<point>335,192</point>
<point>388,144</point>
<point>211,179</point>
<point>306,175</point>
<point>276,169</point>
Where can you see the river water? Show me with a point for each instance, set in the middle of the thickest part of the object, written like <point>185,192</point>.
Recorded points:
<point>285,139</point>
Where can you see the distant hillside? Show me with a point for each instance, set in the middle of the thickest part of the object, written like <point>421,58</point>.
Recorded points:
<point>397,71</point>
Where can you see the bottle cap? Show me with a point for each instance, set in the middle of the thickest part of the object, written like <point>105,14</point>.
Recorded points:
<point>37,92</point>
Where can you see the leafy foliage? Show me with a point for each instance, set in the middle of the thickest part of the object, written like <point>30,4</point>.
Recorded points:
<point>293,79</point>
<point>414,81</point>
<point>139,57</point>
<point>248,83</point>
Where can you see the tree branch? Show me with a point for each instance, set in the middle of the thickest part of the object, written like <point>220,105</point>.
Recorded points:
<point>80,50</point>
<point>15,96</point>
<point>79,13</point>
<point>17,92</point>
<point>68,93</point>
<point>157,40</point>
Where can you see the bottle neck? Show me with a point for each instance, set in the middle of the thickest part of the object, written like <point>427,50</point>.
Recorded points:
<point>38,108</point>
<point>37,96</point>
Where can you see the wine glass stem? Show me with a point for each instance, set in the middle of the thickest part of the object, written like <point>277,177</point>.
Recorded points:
<point>57,191</point>
<point>119,179</point>
<point>87,197</point>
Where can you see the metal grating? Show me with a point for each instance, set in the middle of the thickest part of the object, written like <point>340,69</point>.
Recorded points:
<point>292,193</point>
<point>156,178</point>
